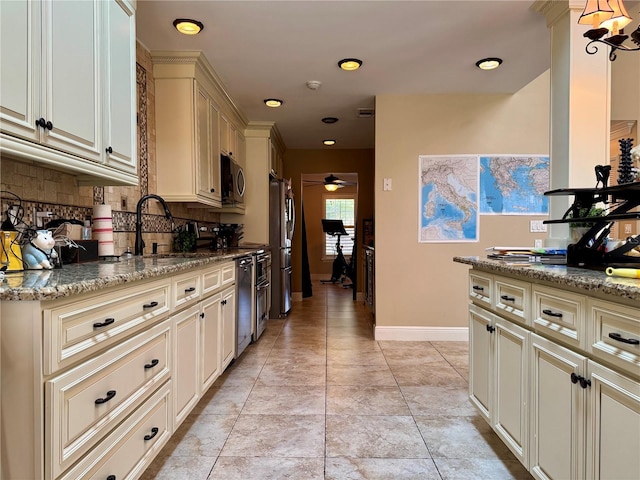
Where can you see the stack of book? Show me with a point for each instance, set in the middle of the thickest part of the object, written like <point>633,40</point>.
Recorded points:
<point>547,256</point>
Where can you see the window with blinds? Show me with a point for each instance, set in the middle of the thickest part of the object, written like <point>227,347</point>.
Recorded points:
<point>340,208</point>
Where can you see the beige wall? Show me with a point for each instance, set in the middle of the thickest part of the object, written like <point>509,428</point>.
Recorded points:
<point>418,284</point>
<point>297,162</point>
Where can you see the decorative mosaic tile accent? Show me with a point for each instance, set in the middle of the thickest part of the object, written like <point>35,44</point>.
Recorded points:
<point>98,195</point>
<point>69,212</point>
<point>143,152</point>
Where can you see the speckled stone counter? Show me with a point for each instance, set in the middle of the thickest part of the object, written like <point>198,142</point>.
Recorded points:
<point>580,278</point>
<point>75,279</point>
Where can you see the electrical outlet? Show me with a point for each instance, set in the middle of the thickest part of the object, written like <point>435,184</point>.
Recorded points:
<point>386,184</point>
<point>41,218</point>
<point>537,243</point>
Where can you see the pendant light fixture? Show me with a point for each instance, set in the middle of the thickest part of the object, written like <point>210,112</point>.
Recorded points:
<point>608,16</point>
<point>332,183</point>
<point>187,26</point>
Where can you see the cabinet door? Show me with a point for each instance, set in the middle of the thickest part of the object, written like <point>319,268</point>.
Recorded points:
<point>233,141</point>
<point>71,69</point>
<point>510,413</point>
<point>203,173</point>
<point>20,29</point>
<point>214,161</point>
<point>480,355</point>
<point>209,349</point>
<point>557,412</point>
<point>224,134</point>
<point>185,372</point>
<point>120,147</point>
<point>613,425</point>
<point>228,326</point>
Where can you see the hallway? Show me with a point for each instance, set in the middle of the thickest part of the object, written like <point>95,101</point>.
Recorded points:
<point>317,398</point>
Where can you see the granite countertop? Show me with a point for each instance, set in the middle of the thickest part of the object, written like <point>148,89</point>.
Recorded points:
<point>74,279</point>
<point>581,278</point>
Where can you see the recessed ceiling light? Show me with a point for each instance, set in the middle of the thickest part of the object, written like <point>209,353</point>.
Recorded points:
<point>273,102</point>
<point>329,120</point>
<point>329,142</point>
<point>489,63</point>
<point>188,26</point>
<point>350,64</point>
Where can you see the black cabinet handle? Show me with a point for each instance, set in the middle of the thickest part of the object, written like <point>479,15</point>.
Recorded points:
<point>154,432</point>
<point>111,477</point>
<point>150,305</point>
<point>48,125</point>
<point>41,122</point>
<point>478,288</point>
<point>507,298</point>
<point>213,190</point>
<point>231,154</point>
<point>110,395</point>
<point>491,328</point>
<point>619,338</point>
<point>109,150</point>
<point>552,313</point>
<point>153,363</point>
<point>224,302</point>
<point>190,289</point>
<point>584,382</point>
<point>202,315</point>
<point>108,321</point>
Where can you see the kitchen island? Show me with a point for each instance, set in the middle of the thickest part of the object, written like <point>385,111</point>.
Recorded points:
<point>554,366</point>
<point>102,361</point>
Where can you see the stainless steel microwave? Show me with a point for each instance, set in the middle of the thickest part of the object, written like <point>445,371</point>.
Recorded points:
<point>233,181</point>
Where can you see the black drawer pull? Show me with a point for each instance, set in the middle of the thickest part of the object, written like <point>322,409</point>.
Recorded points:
<point>507,298</point>
<point>574,378</point>
<point>153,363</point>
<point>190,289</point>
<point>109,150</point>
<point>478,288</point>
<point>619,338</point>
<point>202,315</point>
<point>150,305</point>
<point>584,383</point>
<point>111,477</point>
<point>552,313</point>
<point>154,432</point>
<point>110,395</point>
<point>107,321</point>
<point>491,328</point>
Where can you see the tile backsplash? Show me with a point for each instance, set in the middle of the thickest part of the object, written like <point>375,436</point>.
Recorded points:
<point>47,190</point>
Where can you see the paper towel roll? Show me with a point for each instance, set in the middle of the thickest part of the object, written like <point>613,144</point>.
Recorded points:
<point>103,229</point>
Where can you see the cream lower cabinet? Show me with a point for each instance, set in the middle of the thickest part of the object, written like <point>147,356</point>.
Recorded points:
<point>94,385</point>
<point>554,403</point>
<point>498,373</point>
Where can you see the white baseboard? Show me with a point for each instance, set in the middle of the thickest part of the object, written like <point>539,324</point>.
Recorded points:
<point>422,334</point>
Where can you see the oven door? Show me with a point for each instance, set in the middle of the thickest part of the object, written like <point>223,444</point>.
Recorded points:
<point>262,309</point>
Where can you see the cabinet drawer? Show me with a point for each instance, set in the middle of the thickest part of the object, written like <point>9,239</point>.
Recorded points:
<point>513,299</point>
<point>228,273</point>
<point>186,289</point>
<point>480,286</point>
<point>129,449</point>
<point>615,334</point>
<point>76,330</point>
<point>96,395</point>
<point>560,315</point>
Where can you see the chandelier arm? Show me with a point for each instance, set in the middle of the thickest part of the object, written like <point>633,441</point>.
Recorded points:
<point>591,48</point>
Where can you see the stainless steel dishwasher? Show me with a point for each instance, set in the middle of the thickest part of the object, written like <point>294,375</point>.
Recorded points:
<point>244,295</point>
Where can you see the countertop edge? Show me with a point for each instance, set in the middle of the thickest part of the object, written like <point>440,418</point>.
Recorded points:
<point>8,293</point>
<point>583,279</point>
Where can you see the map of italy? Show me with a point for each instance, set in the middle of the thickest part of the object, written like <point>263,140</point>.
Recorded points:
<point>514,185</point>
<point>448,199</point>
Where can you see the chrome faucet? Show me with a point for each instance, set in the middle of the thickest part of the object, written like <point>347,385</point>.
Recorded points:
<point>139,244</point>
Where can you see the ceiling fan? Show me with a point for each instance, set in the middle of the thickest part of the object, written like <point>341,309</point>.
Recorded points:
<point>331,183</point>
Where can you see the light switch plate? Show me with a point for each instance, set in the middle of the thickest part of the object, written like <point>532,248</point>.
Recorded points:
<point>386,184</point>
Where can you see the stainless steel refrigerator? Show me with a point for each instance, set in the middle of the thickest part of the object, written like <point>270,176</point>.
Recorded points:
<point>282,219</point>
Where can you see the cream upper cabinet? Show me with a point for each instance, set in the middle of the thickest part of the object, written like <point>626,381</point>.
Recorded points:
<point>191,128</point>
<point>120,138</point>
<point>185,139</point>
<point>67,86</point>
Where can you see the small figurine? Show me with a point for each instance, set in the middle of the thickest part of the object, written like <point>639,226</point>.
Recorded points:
<point>38,253</point>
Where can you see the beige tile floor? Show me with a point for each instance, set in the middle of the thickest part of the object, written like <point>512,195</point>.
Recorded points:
<point>317,398</point>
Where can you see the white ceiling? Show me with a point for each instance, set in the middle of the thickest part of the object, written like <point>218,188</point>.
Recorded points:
<point>266,48</point>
